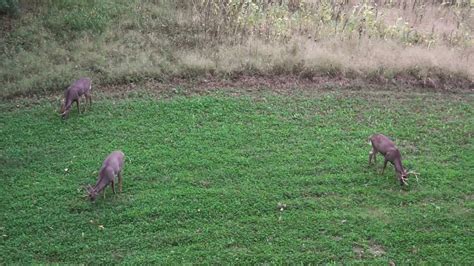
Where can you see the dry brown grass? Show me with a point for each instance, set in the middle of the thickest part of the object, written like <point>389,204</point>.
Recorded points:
<point>360,57</point>
<point>160,40</point>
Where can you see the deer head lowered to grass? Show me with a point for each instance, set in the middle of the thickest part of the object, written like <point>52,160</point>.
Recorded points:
<point>386,147</point>
<point>111,167</point>
<point>73,94</point>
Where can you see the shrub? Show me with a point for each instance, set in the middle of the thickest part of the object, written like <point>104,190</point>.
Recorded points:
<point>9,7</point>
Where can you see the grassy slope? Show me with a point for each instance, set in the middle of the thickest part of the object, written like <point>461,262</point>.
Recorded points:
<point>53,43</point>
<point>204,175</point>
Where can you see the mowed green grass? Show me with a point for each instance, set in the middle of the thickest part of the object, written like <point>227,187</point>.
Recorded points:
<point>204,176</point>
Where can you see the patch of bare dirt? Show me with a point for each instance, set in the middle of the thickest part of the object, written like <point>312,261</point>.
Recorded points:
<point>373,249</point>
<point>359,252</point>
<point>376,250</point>
<point>289,83</point>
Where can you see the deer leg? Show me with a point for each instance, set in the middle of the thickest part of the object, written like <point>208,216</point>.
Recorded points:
<point>384,165</point>
<point>77,103</point>
<point>372,155</point>
<point>85,105</point>
<point>104,193</point>
<point>120,181</point>
<point>113,186</point>
<point>88,99</point>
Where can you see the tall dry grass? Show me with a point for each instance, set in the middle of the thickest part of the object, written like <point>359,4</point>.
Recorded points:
<point>128,41</point>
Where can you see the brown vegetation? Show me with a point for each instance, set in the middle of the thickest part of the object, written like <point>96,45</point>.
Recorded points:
<point>420,43</point>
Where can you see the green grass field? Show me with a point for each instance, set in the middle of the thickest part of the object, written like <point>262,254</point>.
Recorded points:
<point>204,176</point>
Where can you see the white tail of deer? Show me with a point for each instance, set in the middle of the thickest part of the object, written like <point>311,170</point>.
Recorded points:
<point>386,147</point>
<point>111,168</point>
<point>74,93</point>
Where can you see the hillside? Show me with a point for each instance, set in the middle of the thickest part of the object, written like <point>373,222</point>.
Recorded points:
<point>46,44</point>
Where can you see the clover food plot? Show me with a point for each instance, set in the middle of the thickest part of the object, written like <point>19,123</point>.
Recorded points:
<point>220,179</point>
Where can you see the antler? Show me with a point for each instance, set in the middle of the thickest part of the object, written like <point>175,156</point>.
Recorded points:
<point>86,194</point>
<point>87,188</point>
<point>413,173</point>
<point>404,181</point>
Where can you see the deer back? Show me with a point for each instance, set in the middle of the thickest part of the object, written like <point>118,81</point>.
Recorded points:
<point>382,144</point>
<point>76,90</point>
<point>112,165</point>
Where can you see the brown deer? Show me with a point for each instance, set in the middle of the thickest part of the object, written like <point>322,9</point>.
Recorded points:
<point>73,94</point>
<point>386,147</point>
<point>111,167</point>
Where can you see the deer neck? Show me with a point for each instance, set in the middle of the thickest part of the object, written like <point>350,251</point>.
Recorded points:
<point>101,184</point>
<point>398,165</point>
<point>67,104</point>
<point>69,98</point>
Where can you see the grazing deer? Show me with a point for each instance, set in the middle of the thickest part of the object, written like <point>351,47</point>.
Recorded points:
<point>386,147</point>
<point>73,94</point>
<point>111,168</point>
